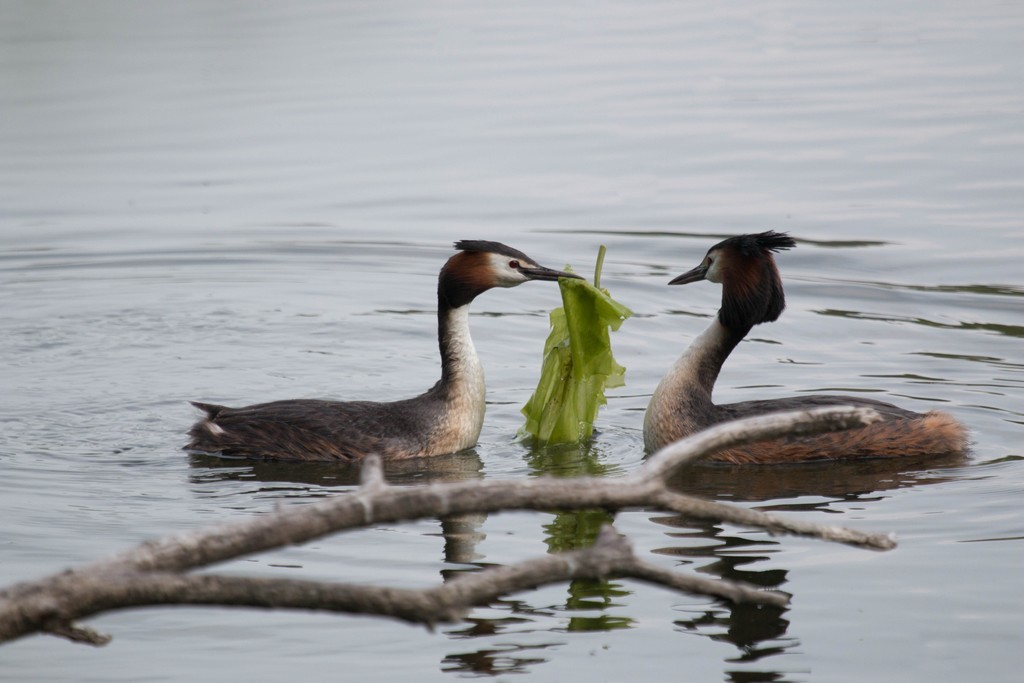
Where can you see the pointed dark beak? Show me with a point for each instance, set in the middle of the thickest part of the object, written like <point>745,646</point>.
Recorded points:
<point>542,273</point>
<point>695,275</point>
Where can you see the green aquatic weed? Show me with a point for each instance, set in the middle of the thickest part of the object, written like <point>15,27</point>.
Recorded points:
<point>578,363</point>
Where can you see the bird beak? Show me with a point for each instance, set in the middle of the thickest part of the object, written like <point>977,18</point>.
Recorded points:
<point>695,275</point>
<point>542,273</point>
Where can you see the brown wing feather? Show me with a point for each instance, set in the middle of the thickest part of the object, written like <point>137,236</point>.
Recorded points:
<point>306,430</point>
<point>933,433</point>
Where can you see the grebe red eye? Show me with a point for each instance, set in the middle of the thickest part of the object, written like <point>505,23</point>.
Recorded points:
<point>514,265</point>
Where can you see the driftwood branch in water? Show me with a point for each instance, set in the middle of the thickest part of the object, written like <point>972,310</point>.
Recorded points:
<point>151,574</point>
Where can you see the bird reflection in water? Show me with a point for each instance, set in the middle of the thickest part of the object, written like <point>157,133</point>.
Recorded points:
<point>762,632</point>
<point>757,631</point>
<point>462,533</point>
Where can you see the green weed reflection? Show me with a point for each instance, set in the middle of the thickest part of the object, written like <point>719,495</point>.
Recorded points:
<point>575,529</point>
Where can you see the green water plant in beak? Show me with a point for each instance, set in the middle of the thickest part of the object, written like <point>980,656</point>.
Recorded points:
<point>578,365</point>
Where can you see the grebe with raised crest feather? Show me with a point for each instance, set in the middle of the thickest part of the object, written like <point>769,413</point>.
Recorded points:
<point>752,294</point>
<point>445,419</point>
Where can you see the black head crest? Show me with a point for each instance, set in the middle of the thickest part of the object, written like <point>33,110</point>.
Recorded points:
<point>757,244</point>
<point>492,248</point>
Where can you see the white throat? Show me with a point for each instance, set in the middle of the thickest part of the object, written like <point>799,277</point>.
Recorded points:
<point>466,392</point>
<point>669,414</point>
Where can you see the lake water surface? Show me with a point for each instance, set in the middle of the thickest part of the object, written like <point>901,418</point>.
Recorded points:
<point>246,201</point>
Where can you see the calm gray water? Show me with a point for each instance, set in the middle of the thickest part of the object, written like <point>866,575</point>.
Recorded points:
<point>246,201</point>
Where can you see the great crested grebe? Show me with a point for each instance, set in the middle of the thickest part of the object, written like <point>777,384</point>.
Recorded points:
<point>752,294</point>
<point>444,419</point>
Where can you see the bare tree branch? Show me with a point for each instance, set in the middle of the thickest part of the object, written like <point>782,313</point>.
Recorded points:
<point>150,574</point>
<point>749,430</point>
